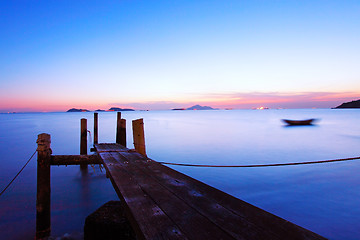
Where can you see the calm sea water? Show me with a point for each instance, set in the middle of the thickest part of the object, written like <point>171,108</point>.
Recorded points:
<point>323,198</point>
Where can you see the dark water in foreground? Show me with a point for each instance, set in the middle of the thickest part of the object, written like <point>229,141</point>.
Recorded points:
<point>323,198</point>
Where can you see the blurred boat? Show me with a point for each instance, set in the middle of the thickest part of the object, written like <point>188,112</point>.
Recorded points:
<point>299,122</point>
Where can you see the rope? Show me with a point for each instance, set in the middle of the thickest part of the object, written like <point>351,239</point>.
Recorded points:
<point>17,174</point>
<point>263,165</point>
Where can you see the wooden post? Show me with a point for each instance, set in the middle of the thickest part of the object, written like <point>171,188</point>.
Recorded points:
<point>95,128</point>
<point>122,137</point>
<point>118,127</point>
<point>83,141</point>
<point>138,135</point>
<point>43,225</point>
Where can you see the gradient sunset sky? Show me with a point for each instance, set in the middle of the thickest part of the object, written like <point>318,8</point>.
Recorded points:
<point>56,55</point>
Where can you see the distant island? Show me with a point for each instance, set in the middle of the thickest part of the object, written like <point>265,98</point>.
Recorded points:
<point>113,109</point>
<point>116,109</point>
<point>77,110</point>
<point>352,104</point>
<point>196,107</point>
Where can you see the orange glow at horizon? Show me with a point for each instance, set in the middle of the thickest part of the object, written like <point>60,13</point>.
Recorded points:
<point>222,101</point>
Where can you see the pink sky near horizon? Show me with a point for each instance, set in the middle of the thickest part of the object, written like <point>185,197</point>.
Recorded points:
<point>221,101</point>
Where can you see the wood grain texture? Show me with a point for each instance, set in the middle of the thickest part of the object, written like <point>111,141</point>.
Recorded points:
<point>138,135</point>
<point>161,201</point>
<point>43,209</point>
<point>74,159</point>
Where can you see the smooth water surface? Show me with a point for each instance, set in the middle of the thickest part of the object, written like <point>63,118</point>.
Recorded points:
<point>323,198</point>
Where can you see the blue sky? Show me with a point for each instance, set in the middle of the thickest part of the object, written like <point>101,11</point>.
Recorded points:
<point>55,55</point>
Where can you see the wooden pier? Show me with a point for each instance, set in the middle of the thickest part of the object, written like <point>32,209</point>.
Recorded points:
<point>161,203</point>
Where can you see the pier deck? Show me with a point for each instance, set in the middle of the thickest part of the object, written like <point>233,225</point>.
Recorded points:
<point>162,203</point>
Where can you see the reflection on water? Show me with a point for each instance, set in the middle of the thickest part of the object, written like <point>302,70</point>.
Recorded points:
<point>322,198</point>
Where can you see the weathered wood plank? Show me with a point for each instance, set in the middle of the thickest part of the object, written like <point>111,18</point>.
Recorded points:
<point>185,187</point>
<point>75,159</point>
<point>147,219</point>
<point>195,198</point>
<point>189,220</point>
<point>186,202</point>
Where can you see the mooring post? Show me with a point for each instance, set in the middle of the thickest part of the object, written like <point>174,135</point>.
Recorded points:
<point>43,226</point>
<point>83,141</point>
<point>118,127</point>
<point>95,128</point>
<point>138,135</point>
<point>121,136</point>
<point>120,130</point>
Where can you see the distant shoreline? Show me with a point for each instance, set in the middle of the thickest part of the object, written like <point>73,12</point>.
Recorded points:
<point>171,110</point>
<point>353,104</point>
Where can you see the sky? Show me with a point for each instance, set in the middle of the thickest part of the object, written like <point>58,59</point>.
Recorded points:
<point>157,55</point>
